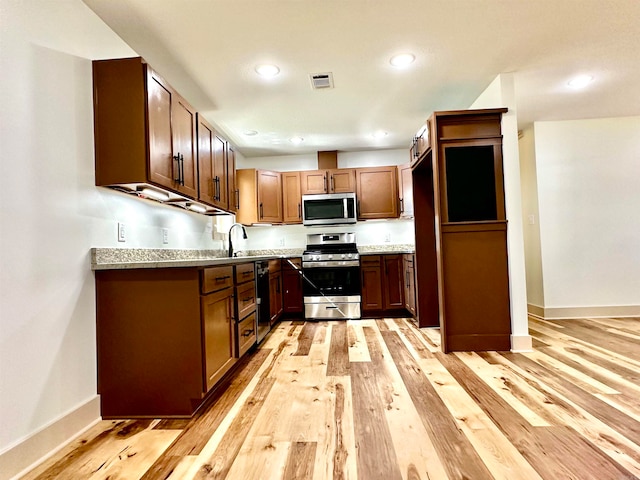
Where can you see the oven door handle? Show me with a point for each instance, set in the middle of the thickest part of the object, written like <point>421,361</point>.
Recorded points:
<point>344,207</point>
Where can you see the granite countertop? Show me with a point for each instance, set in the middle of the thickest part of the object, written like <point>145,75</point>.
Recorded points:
<point>386,248</point>
<point>130,258</point>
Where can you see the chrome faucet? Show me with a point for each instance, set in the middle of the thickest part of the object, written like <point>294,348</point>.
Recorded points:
<point>244,236</point>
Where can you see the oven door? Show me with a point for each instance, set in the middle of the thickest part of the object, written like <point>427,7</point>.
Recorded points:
<point>331,281</point>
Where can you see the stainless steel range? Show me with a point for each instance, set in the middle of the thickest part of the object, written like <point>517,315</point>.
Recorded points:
<point>331,269</point>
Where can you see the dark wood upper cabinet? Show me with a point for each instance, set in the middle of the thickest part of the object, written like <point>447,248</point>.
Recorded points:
<point>342,180</point>
<point>260,197</point>
<point>291,197</point>
<point>377,192</point>
<point>232,184</point>
<point>145,132</point>
<point>405,190</point>
<point>212,162</point>
<point>337,180</point>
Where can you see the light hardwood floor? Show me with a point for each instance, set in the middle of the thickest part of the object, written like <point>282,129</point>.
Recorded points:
<point>374,400</point>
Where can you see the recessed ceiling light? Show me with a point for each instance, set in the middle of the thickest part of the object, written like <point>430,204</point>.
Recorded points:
<point>402,59</point>
<point>379,134</point>
<point>296,140</point>
<point>251,133</point>
<point>580,81</point>
<point>267,70</point>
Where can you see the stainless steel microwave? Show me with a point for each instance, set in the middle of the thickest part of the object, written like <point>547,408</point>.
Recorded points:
<point>329,209</point>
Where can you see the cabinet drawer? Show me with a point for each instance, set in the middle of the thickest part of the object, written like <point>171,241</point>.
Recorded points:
<point>244,272</point>
<point>246,298</point>
<point>216,278</point>
<point>275,266</point>
<point>246,334</point>
<point>370,260</point>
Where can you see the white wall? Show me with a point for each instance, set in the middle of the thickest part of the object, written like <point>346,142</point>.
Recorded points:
<point>309,161</point>
<point>373,158</point>
<point>588,188</point>
<point>281,163</point>
<point>51,216</point>
<point>501,93</point>
<point>531,215</point>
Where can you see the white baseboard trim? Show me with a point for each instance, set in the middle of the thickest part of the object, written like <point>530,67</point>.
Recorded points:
<point>521,343</point>
<point>32,450</point>
<point>563,313</point>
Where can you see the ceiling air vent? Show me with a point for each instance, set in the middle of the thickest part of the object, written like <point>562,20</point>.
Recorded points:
<point>321,80</point>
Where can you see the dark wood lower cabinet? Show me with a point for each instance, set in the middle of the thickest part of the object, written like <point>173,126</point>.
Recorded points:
<point>275,290</point>
<point>371,274</point>
<point>292,286</point>
<point>165,337</point>
<point>409,283</point>
<point>382,285</point>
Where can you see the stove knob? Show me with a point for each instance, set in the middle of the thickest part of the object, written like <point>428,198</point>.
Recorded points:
<point>350,255</point>
<point>342,256</point>
<point>330,257</point>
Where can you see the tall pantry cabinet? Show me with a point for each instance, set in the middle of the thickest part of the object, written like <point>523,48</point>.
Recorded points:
<point>461,231</point>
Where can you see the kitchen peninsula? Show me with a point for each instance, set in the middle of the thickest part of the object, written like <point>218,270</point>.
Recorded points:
<point>173,324</point>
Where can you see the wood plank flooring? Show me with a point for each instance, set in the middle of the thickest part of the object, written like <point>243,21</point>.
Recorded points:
<point>376,399</point>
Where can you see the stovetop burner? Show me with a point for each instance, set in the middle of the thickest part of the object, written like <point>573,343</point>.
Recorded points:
<point>330,246</point>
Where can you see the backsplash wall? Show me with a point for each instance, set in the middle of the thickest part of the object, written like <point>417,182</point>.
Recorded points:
<point>370,232</point>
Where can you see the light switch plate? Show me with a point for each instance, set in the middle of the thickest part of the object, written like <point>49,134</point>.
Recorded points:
<point>122,232</point>
<point>165,236</point>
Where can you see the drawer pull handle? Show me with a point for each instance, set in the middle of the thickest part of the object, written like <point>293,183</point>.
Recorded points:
<point>221,279</point>
<point>246,299</point>
<point>248,272</point>
<point>247,333</point>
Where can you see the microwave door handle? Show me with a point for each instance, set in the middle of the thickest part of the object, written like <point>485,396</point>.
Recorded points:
<point>344,200</point>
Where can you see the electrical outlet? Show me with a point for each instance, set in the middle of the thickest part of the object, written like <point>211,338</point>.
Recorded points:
<point>532,219</point>
<point>387,237</point>
<point>122,233</point>
<point>165,236</point>
<point>282,241</point>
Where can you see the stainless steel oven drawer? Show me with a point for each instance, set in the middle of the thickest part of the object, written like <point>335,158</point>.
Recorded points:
<point>335,310</point>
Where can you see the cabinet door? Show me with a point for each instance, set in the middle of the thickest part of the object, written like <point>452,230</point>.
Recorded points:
<point>377,192</point>
<point>291,198</point>
<point>159,101</point>
<point>405,187</point>
<point>342,180</point>
<point>218,330</point>
<point>411,275</point>
<point>206,181</point>
<point>269,196</point>
<point>275,296</point>
<point>232,185</point>
<point>371,272</point>
<point>183,124</point>
<point>313,181</point>
<point>220,177</point>
<point>392,284</point>
<point>292,286</point>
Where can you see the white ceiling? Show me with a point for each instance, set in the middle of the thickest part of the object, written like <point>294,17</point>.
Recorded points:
<point>208,50</point>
